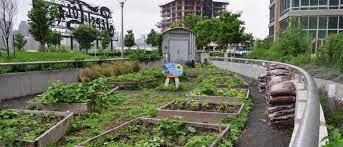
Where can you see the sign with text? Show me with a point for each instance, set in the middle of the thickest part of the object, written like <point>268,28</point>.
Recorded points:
<point>72,13</point>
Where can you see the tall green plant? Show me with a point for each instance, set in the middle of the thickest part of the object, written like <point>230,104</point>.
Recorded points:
<point>105,39</point>
<point>20,41</point>
<point>129,40</point>
<point>54,38</point>
<point>85,36</point>
<point>332,52</point>
<point>42,16</point>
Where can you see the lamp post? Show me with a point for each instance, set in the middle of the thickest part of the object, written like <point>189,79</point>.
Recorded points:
<point>122,26</point>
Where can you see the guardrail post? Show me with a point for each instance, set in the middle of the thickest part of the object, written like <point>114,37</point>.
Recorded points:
<point>332,96</point>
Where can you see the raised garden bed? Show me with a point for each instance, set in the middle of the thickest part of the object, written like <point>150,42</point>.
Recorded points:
<point>217,98</point>
<point>134,84</point>
<point>77,108</point>
<point>200,111</point>
<point>32,128</point>
<point>156,132</point>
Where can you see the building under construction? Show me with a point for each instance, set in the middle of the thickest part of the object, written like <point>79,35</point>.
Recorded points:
<point>176,10</point>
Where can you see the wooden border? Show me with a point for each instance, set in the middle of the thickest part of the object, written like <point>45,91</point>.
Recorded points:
<point>77,108</point>
<point>51,135</point>
<point>127,84</point>
<point>199,116</point>
<point>223,128</point>
<point>216,98</point>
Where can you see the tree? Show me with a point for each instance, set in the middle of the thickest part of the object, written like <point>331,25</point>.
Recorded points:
<point>105,39</point>
<point>8,9</point>
<point>154,38</point>
<point>206,32</point>
<point>129,40</point>
<point>42,16</point>
<point>54,38</point>
<point>20,41</point>
<point>292,41</point>
<point>176,24</point>
<point>230,29</point>
<point>85,36</point>
<point>190,21</point>
<point>248,40</point>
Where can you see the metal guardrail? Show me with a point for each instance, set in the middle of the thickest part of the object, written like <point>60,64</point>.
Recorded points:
<point>307,134</point>
<point>73,61</point>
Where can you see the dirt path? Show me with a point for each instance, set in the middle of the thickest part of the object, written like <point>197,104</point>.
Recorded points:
<point>258,132</point>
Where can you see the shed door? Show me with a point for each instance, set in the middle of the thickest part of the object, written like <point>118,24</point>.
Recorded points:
<point>178,50</point>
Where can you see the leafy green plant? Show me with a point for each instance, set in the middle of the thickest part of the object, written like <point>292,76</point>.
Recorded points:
<point>335,139</point>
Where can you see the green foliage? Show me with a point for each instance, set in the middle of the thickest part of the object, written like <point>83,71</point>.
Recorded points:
<point>292,46</point>
<point>191,20</point>
<point>248,40</point>
<point>54,38</point>
<point>176,24</point>
<point>144,75</point>
<point>230,29</point>
<point>108,70</point>
<point>85,36</point>
<point>154,38</point>
<point>335,139</point>
<point>206,31</point>
<point>16,126</point>
<point>168,132</point>
<point>144,56</point>
<point>331,54</point>
<point>75,92</point>
<point>237,124</point>
<point>42,16</point>
<point>129,39</point>
<point>130,107</point>
<point>105,39</point>
<point>19,41</point>
<point>41,56</point>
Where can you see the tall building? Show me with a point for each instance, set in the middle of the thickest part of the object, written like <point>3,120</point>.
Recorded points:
<point>176,10</point>
<point>24,28</point>
<point>319,18</point>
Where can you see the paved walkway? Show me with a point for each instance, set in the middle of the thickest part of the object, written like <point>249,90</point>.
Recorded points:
<point>258,132</point>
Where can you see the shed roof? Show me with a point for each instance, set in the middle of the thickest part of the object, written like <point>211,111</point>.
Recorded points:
<point>177,28</point>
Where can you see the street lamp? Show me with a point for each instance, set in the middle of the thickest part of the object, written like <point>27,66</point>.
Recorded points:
<point>122,26</point>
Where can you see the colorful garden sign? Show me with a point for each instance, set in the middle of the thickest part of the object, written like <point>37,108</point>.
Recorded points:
<point>172,70</point>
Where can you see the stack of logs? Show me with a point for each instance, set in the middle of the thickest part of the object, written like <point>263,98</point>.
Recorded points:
<point>280,94</point>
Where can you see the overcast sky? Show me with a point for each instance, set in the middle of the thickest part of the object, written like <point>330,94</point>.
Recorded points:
<point>142,15</point>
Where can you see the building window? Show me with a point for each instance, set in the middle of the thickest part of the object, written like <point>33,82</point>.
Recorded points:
<point>323,2</point>
<point>322,34</point>
<point>272,13</point>
<point>304,2</point>
<point>313,22</point>
<point>304,22</point>
<point>333,22</point>
<point>323,22</point>
<point>271,31</point>
<point>332,32</point>
<point>313,2</point>
<point>341,22</point>
<point>295,3</point>
<point>312,34</point>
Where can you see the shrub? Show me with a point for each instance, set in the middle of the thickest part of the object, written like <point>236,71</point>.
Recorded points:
<point>332,52</point>
<point>108,70</point>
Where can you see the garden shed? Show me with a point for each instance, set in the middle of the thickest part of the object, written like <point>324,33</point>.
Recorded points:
<point>178,45</point>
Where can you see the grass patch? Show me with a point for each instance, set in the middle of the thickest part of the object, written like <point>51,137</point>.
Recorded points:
<point>24,126</point>
<point>131,106</point>
<point>44,56</point>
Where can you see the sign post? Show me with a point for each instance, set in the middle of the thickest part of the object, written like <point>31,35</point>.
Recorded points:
<point>172,71</point>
